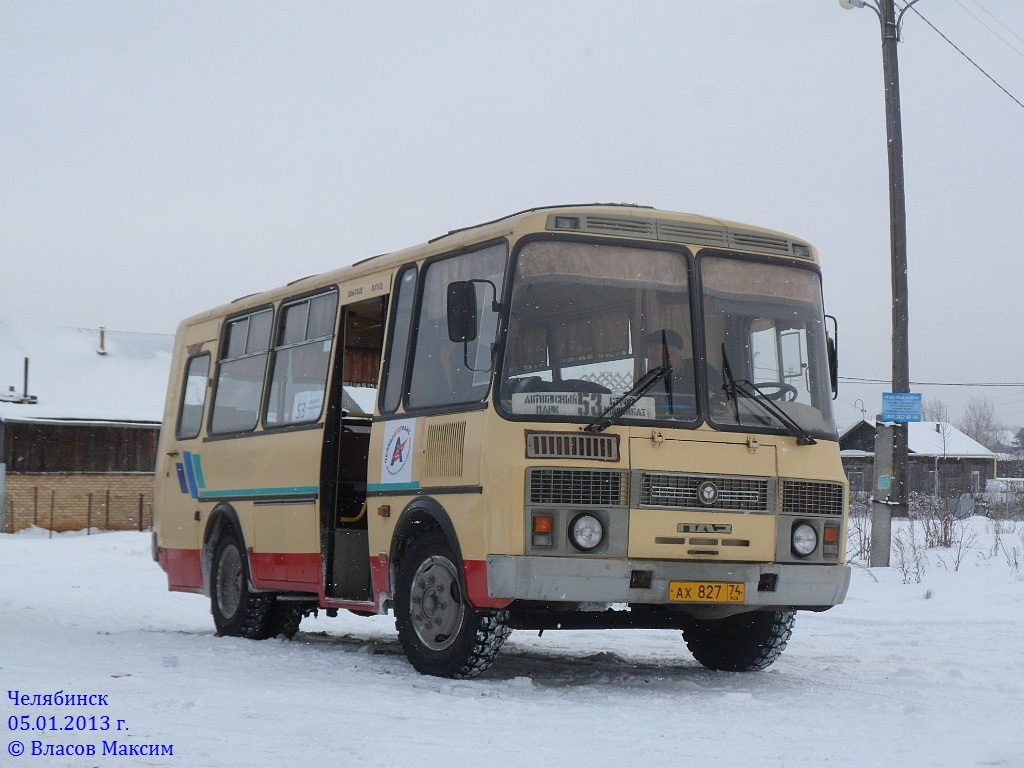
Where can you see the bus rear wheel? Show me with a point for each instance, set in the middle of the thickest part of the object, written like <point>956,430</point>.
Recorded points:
<point>441,634</point>
<point>744,642</point>
<point>237,611</point>
<point>285,617</point>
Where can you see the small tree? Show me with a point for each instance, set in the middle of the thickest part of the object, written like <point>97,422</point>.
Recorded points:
<point>979,422</point>
<point>934,409</point>
<point>944,430</point>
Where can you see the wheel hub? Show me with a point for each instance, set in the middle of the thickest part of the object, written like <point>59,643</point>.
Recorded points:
<point>437,608</point>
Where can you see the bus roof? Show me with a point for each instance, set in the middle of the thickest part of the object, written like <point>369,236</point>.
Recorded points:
<point>601,219</point>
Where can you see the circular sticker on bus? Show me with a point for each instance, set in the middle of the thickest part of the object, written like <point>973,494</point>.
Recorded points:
<point>398,450</point>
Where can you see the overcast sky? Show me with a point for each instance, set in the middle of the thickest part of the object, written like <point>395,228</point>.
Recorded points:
<point>159,158</point>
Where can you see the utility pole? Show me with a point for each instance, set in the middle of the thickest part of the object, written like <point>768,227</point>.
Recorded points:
<point>898,241</point>
<point>891,24</point>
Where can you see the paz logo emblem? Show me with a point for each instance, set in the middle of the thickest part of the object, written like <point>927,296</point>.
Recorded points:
<point>707,493</point>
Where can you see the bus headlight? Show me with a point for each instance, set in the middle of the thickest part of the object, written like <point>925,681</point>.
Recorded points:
<point>804,540</point>
<point>586,532</point>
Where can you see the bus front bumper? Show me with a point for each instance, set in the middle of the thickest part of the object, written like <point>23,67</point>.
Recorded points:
<point>593,580</point>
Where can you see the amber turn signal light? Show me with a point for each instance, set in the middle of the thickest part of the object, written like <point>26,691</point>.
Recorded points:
<point>542,526</point>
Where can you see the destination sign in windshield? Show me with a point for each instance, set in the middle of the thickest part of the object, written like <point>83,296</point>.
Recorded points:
<point>582,404</point>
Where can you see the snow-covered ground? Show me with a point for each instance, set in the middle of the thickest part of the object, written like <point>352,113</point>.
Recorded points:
<point>920,674</point>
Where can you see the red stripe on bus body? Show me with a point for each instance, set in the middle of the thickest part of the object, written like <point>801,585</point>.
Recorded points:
<point>476,586</point>
<point>380,575</point>
<point>476,582</point>
<point>184,571</point>
<point>282,570</point>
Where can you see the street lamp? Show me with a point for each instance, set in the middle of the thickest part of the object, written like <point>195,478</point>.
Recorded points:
<point>891,24</point>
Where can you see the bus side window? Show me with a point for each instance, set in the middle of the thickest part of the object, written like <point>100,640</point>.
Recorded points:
<point>236,398</point>
<point>193,398</point>
<point>398,343</point>
<point>299,366</point>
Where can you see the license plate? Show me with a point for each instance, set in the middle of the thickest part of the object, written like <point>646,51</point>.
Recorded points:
<point>705,591</point>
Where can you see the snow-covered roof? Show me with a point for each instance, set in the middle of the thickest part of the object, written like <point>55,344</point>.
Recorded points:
<point>72,381</point>
<point>940,438</point>
<point>930,438</point>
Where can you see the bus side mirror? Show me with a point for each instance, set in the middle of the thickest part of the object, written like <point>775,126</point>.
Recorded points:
<point>462,313</point>
<point>832,348</point>
<point>833,366</point>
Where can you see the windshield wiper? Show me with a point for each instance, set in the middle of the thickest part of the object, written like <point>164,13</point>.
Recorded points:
<point>608,416</point>
<point>752,392</point>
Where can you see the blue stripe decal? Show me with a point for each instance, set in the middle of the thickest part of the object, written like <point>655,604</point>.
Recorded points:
<point>392,486</point>
<point>182,482</point>
<point>197,468</point>
<point>193,491</point>
<point>294,490</point>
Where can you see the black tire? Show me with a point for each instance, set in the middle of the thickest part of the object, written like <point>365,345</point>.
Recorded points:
<point>441,634</point>
<point>745,642</point>
<point>285,617</point>
<point>237,611</point>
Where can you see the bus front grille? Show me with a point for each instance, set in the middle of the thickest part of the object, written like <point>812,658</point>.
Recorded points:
<point>809,497</point>
<point>679,491</point>
<point>577,487</point>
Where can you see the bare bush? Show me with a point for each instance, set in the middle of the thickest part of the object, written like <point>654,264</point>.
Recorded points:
<point>962,542</point>
<point>1005,505</point>
<point>911,561</point>
<point>936,519</point>
<point>1013,558</point>
<point>858,534</point>
<point>998,526</point>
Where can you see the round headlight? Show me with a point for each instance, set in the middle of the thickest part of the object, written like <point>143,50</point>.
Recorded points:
<point>586,532</point>
<point>805,539</point>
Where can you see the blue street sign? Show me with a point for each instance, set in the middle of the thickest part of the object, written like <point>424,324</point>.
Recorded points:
<point>901,406</point>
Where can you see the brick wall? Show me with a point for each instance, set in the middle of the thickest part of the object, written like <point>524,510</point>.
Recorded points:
<point>73,501</point>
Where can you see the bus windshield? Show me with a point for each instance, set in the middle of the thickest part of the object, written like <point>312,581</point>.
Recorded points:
<point>587,322</point>
<point>765,340</point>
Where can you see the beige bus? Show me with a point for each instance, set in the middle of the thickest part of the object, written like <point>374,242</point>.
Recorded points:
<point>576,417</point>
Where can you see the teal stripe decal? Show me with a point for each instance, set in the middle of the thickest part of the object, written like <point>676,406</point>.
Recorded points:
<point>392,486</point>
<point>295,490</point>
<point>197,468</point>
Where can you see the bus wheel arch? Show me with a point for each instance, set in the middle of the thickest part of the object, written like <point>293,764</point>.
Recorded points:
<point>238,609</point>
<point>419,515</point>
<point>221,519</point>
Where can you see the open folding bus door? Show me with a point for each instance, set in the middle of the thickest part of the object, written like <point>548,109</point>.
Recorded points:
<point>344,537</point>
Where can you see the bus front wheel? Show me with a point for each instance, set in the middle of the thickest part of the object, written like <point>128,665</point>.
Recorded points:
<point>441,634</point>
<point>237,611</point>
<point>744,642</point>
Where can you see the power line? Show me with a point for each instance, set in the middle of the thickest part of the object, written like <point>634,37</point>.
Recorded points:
<point>976,65</point>
<point>859,380</point>
<point>971,13</point>
<point>997,20</point>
